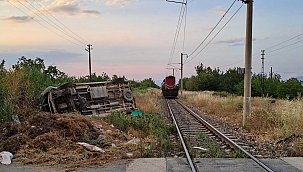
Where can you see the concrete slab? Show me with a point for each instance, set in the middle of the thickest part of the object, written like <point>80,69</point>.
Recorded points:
<point>227,164</point>
<point>147,165</point>
<point>279,165</point>
<point>294,161</point>
<point>289,164</point>
<point>177,165</point>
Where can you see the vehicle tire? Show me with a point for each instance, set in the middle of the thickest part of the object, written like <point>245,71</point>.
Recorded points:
<point>128,95</point>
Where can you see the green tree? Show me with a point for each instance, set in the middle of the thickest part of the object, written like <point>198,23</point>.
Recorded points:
<point>144,84</point>
<point>229,80</point>
<point>38,63</point>
<point>206,81</point>
<point>54,73</point>
<point>191,84</point>
<point>291,88</point>
<point>270,87</point>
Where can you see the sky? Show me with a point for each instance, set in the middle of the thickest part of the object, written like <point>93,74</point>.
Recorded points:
<point>139,38</point>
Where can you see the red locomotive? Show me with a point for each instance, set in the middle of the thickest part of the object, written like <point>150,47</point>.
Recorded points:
<point>169,88</point>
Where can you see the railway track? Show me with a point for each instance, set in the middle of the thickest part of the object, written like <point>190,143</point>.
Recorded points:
<point>191,126</point>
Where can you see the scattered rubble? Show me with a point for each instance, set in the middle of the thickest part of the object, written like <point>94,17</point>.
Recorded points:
<point>6,157</point>
<point>69,139</point>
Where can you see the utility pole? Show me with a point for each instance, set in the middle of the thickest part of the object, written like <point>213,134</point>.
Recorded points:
<point>262,71</point>
<point>248,51</point>
<point>270,72</point>
<point>173,70</point>
<point>183,3</point>
<point>89,62</point>
<point>181,72</point>
<point>217,78</point>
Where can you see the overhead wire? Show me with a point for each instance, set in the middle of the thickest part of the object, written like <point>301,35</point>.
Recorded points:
<point>212,29</point>
<point>257,54</point>
<point>216,34</point>
<point>56,25</point>
<point>284,46</point>
<point>43,25</point>
<point>176,34</point>
<point>284,41</point>
<point>232,63</point>
<point>184,27</point>
<point>285,51</point>
<point>58,28</point>
<point>60,22</point>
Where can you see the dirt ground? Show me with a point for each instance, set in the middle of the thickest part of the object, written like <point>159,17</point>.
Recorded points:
<point>52,139</point>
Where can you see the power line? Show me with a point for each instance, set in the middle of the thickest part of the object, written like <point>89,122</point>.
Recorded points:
<point>184,26</point>
<point>256,54</point>
<point>284,41</point>
<point>57,27</point>
<point>212,29</point>
<point>216,33</point>
<point>232,63</point>
<point>43,25</point>
<point>176,34</point>
<point>285,51</point>
<point>284,46</point>
<point>60,22</point>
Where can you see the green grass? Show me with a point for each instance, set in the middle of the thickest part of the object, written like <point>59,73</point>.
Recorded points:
<point>150,127</point>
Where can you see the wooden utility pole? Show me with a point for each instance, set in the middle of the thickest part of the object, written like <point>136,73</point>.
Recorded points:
<point>248,54</point>
<point>89,62</point>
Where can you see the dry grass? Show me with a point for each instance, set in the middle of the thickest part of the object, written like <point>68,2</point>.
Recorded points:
<point>222,107</point>
<point>270,120</point>
<point>146,100</point>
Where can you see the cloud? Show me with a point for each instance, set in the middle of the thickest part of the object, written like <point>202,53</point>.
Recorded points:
<point>18,19</point>
<point>90,12</point>
<point>70,8</point>
<point>117,2</point>
<point>234,42</point>
<point>14,2</point>
<point>219,10</point>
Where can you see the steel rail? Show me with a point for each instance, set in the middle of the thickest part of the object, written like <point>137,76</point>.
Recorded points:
<point>225,138</point>
<point>191,164</point>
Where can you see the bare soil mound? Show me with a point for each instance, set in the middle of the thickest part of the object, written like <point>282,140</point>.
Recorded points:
<point>48,139</point>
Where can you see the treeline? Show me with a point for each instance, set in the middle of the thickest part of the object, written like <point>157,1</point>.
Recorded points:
<point>232,81</point>
<point>22,84</point>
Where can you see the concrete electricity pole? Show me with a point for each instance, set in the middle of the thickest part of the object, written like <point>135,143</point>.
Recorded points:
<point>89,62</point>
<point>182,72</point>
<point>248,54</point>
<point>262,71</point>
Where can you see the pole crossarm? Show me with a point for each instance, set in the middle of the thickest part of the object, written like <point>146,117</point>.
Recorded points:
<point>246,1</point>
<point>177,2</point>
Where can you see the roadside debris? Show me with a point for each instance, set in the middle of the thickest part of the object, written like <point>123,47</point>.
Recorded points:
<point>133,141</point>
<point>91,147</point>
<point>136,113</point>
<point>51,139</point>
<point>200,148</point>
<point>6,157</point>
<point>129,155</point>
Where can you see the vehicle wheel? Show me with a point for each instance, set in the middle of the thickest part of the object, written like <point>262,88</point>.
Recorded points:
<point>128,95</point>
